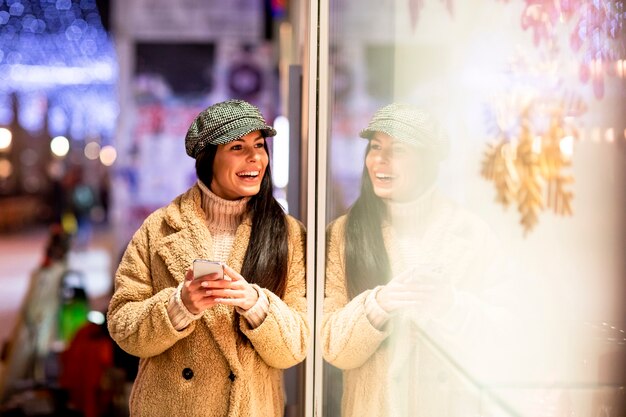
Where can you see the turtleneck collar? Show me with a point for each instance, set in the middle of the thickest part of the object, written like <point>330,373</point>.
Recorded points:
<point>221,214</point>
<point>412,216</point>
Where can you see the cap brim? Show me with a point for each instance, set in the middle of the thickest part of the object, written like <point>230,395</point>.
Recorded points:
<point>266,131</point>
<point>383,127</point>
<point>396,135</point>
<point>367,133</point>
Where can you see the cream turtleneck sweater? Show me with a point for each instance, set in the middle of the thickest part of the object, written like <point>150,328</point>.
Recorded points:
<point>222,218</point>
<point>414,226</point>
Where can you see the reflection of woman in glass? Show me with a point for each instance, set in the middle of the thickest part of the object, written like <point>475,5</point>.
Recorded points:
<point>211,346</point>
<point>404,270</point>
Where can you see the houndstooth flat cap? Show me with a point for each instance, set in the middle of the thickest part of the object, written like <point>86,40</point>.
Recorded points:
<point>411,125</point>
<point>224,122</point>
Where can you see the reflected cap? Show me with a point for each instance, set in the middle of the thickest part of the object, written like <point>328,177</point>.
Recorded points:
<point>411,125</point>
<point>224,122</point>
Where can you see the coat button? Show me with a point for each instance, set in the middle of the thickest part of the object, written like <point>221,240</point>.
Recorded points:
<point>187,373</point>
<point>231,376</point>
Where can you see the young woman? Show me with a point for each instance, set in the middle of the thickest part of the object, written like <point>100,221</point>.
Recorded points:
<point>209,346</point>
<point>403,267</point>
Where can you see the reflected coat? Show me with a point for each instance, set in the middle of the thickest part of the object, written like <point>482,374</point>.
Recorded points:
<point>399,370</point>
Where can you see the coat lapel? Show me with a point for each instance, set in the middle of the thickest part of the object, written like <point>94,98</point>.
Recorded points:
<point>191,239</point>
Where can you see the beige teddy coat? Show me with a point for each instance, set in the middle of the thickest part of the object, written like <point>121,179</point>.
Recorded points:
<point>208,368</point>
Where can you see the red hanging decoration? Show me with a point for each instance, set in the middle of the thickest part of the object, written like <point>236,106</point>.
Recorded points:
<point>415,7</point>
<point>598,33</point>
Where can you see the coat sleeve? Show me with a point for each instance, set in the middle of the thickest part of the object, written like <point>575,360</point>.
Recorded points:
<point>282,338</point>
<point>137,317</point>
<point>348,337</point>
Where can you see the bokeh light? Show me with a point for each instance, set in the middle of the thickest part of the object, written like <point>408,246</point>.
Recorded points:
<point>6,168</point>
<point>95,317</point>
<point>5,138</point>
<point>92,150</point>
<point>60,146</point>
<point>108,155</point>
<point>29,157</point>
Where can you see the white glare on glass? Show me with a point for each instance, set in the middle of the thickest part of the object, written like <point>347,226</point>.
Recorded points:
<point>567,145</point>
<point>92,150</point>
<point>108,155</point>
<point>60,146</point>
<point>280,163</point>
<point>537,145</point>
<point>5,138</point>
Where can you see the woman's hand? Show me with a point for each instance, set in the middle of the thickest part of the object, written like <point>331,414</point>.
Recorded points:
<point>206,291</point>
<point>398,293</point>
<point>236,292</point>
<point>421,289</point>
<point>193,293</point>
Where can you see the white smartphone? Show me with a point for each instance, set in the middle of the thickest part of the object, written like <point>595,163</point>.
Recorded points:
<point>203,267</point>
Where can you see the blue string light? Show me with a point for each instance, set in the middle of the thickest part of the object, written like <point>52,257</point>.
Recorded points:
<point>60,48</point>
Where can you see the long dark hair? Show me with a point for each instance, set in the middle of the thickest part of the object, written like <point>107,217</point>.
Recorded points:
<point>366,260</point>
<point>265,263</point>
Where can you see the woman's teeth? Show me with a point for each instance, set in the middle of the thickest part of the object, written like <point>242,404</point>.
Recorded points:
<point>248,174</point>
<point>381,176</point>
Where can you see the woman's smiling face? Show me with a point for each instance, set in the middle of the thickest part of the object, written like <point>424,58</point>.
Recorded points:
<point>239,167</point>
<point>398,171</point>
